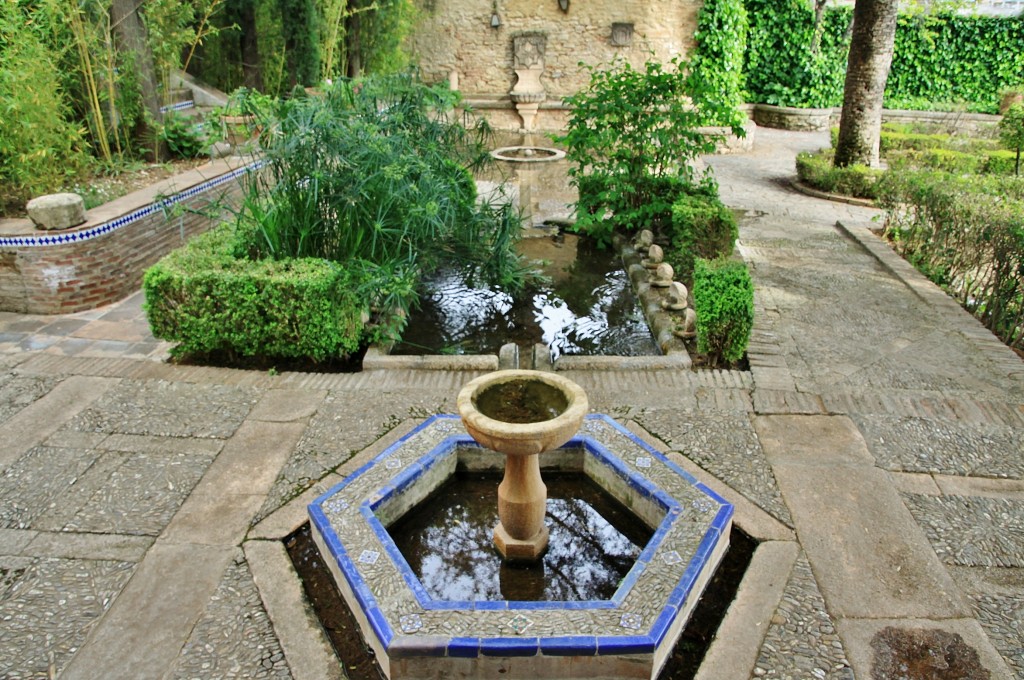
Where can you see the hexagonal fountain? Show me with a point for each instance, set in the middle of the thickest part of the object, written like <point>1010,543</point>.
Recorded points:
<point>629,633</point>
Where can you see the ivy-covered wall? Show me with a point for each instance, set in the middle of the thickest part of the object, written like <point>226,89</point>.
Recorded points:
<point>940,61</point>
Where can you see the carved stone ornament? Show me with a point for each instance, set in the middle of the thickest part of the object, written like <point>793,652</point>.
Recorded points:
<point>528,50</point>
<point>622,34</point>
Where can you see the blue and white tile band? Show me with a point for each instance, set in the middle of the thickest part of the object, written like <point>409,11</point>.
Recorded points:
<point>180,106</point>
<point>65,237</point>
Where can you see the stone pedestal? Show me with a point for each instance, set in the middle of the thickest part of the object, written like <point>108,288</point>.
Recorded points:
<point>522,499</point>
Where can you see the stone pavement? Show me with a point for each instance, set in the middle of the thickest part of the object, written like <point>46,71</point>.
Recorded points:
<point>875,449</point>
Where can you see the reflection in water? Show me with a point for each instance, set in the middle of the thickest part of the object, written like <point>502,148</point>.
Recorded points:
<point>586,306</point>
<point>447,541</point>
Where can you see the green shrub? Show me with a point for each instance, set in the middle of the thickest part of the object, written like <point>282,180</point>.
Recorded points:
<point>183,137</point>
<point>816,170</point>
<point>1001,163</point>
<point>723,295</point>
<point>377,170</point>
<point>636,133</point>
<point>721,41</point>
<point>209,301</point>
<point>967,234</point>
<point>996,162</point>
<point>701,227</point>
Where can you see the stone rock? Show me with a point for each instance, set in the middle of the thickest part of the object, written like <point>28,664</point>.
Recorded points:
<point>644,240</point>
<point>662,275</point>
<point>221,150</point>
<point>655,256</point>
<point>56,211</point>
<point>675,298</point>
<point>688,328</point>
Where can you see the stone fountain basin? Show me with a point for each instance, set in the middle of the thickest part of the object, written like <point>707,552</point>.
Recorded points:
<point>522,439</point>
<point>415,636</point>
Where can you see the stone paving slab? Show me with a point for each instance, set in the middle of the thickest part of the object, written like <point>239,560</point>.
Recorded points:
<point>36,642</point>
<point>234,638</point>
<point>972,531</point>
<point>871,558</point>
<point>168,409</point>
<point>157,609</point>
<point>953,648</point>
<point>802,640</point>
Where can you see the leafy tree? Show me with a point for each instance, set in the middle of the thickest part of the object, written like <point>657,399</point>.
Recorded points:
<point>632,135</point>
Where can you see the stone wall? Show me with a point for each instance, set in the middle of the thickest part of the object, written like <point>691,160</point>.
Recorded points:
<point>103,260</point>
<point>457,36</point>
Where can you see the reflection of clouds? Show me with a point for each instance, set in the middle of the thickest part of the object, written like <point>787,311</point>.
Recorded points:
<point>587,307</point>
<point>461,309</point>
<point>448,543</point>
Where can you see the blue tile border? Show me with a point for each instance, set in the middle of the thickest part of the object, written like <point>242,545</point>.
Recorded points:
<point>630,625</point>
<point>180,106</point>
<point>60,238</point>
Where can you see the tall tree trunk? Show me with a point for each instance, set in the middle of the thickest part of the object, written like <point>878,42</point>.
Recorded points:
<point>252,75</point>
<point>130,39</point>
<point>871,48</point>
<point>353,46</point>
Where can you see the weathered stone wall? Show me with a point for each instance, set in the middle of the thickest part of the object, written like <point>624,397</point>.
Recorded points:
<point>456,35</point>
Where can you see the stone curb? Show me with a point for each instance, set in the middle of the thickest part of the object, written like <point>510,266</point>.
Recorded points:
<point>987,343</point>
<point>839,198</point>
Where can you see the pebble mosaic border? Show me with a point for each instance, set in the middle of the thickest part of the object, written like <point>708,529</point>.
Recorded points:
<point>666,580</point>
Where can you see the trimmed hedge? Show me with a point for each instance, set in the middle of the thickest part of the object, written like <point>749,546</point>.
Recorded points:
<point>701,227</point>
<point>816,170</point>
<point>210,301</point>
<point>723,295</point>
<point>998,162</point>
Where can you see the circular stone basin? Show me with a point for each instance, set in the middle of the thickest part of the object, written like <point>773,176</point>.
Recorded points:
<point>521,401</point>
<point>528,154</point>
<point>492,425</point>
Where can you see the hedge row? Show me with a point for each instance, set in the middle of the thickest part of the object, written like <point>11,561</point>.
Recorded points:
<point>816,170</point>
<point>210,301</point>
<point>940,61</point>
<point>701,227</point>
<point>967,235</point>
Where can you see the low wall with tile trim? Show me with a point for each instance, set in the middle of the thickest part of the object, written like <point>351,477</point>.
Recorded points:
<point>73,270</point>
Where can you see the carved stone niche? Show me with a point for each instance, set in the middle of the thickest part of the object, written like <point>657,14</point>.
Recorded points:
<point>622,34</point>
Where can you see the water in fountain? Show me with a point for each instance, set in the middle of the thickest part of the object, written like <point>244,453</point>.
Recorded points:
<point>594,541</point>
